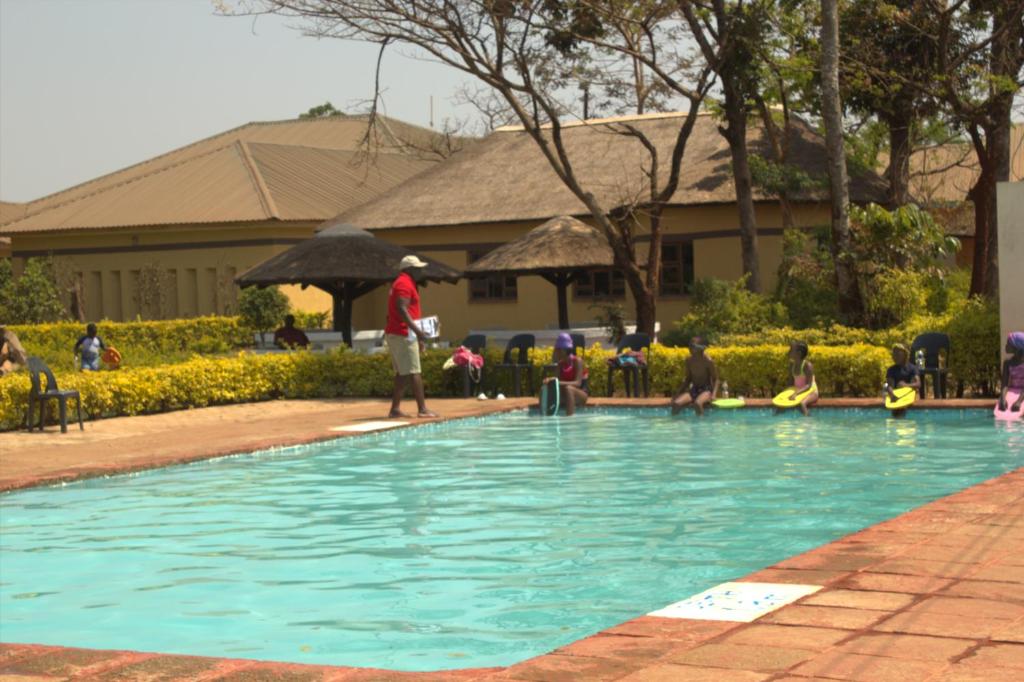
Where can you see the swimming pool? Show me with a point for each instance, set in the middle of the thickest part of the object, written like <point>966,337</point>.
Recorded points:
<point>471,543</point>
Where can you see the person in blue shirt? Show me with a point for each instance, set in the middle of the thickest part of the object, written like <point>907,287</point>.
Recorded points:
<point>903,373</point>
<point>89,347</point>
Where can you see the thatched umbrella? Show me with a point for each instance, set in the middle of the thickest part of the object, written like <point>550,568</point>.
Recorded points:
<point>344,261</point>
<point>559,251</point>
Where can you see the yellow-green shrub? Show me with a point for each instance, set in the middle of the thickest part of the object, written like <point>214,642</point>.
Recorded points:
<point>198,382</point>
<point>972,326</point>
<point>762,371</point>
<point>141,343</point>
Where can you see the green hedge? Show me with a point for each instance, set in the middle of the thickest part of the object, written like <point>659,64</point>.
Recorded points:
<point>973,329</point>
<point>751,371</point>
<point>142,344</point>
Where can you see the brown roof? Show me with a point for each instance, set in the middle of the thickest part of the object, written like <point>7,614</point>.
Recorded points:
<point>946,173</point>
<point>504,177</point>
<point>287,170</point>
<point>10,210</point>
<point>559,245</point>
<point>339,253</point>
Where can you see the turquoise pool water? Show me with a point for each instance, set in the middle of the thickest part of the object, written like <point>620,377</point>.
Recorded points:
<point>471,543</point>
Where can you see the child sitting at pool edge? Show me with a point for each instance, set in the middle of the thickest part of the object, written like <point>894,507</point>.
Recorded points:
<point>802,372</point>
<point>1013,371</point>
<point>901,374</point>
<point>573,378</point>
<point>701,380</point>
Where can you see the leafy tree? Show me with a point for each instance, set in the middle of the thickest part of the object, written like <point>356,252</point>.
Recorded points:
<point>905,238</point>
<point>528,55</point>
<point>974,67</point>
<point>883,46</point>
<point>724,307</point>
<point>850,300</point>
<point>262,308</point>
<point>32,298</point>
<point>325,110</point>
<point>729,33</point>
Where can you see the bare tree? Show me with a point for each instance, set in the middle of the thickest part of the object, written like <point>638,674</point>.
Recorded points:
<point>832,114</point>
<point>524,53</point>
<point>727,32</point>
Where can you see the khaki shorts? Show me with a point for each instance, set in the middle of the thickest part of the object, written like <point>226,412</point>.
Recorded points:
<point>405,354</point>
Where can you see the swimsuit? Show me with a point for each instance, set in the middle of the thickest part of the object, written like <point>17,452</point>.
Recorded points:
<point>567,373</point>
<point>695,391</point>
<point>800,380</point>
<point>1016,377</point>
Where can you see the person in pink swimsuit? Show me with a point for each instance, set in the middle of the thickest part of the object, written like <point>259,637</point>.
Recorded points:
<point>1013,371</point>
<point>573,378</point>
<point>802,372</point>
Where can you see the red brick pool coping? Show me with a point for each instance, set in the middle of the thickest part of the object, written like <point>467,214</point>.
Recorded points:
<point>936,593</point>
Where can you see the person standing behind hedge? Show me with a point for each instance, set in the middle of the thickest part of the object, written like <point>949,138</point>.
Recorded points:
<point>12,354</point>
<point>404,337</point>
<point>90,346</point>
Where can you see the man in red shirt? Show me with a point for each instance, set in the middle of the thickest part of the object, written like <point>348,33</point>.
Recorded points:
<point>404,337</point>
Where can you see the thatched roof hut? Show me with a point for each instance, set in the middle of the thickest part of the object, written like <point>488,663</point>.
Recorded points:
<point>344,261</point>
<point>505,177</point>
<point>558,251</point>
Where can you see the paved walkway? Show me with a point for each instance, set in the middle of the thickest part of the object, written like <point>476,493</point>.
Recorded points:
<point>934,594</point>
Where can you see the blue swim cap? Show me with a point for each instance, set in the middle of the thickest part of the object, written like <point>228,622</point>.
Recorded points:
<point>564,341</point>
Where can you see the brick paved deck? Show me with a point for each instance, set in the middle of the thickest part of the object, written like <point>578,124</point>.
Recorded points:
<point>934,594</point>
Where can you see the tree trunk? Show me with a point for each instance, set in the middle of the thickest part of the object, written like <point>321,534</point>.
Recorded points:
<point>645,309</point>
<point>850,305</point>
<point>1000,153</point>
<point>736,135</point>
<point>982,196</point>
<point>898,173</point>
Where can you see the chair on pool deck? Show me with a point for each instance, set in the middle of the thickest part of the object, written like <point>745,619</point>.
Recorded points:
<point>475,343</point>
<point>521,344</point>
<point>37,396</point>
<point>932,343</point>
<point>634,342</point>
<point>578,343</point>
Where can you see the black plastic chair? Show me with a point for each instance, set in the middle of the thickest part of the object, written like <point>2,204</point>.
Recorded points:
<point>932,343</point>
<point>521,344</point>
<point>578,342</point>
<point>475,343</point>
<point>38,396</point>
<point>633,373</point>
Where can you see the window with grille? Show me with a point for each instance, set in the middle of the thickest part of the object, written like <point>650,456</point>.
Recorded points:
<point>600,285</point>
<point>676,268</point>
<point>493,288</point>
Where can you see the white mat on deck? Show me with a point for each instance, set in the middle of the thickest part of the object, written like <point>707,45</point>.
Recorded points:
<point>362,427</point>
<point>740,602</point>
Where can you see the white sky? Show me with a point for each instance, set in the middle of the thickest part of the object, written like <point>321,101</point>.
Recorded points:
<point>91,86</point>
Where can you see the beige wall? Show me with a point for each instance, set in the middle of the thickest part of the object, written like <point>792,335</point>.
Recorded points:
<point>715,255</point>
<point>165,272</point>
<point>1010,199</point>
<point>196,266</point>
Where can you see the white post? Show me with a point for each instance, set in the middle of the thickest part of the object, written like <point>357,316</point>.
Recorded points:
<point>1010,202</point>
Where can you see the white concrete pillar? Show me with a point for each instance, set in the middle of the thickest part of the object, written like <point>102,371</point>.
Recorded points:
<point>1010,199</point>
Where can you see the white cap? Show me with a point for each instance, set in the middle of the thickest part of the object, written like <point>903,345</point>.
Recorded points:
<point>411,261</point>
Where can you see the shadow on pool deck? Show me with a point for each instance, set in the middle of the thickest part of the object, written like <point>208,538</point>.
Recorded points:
<point>934,594</point>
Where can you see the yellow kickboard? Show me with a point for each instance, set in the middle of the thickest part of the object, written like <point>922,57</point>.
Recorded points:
<point>790,398</point>
<point>905,397</point>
